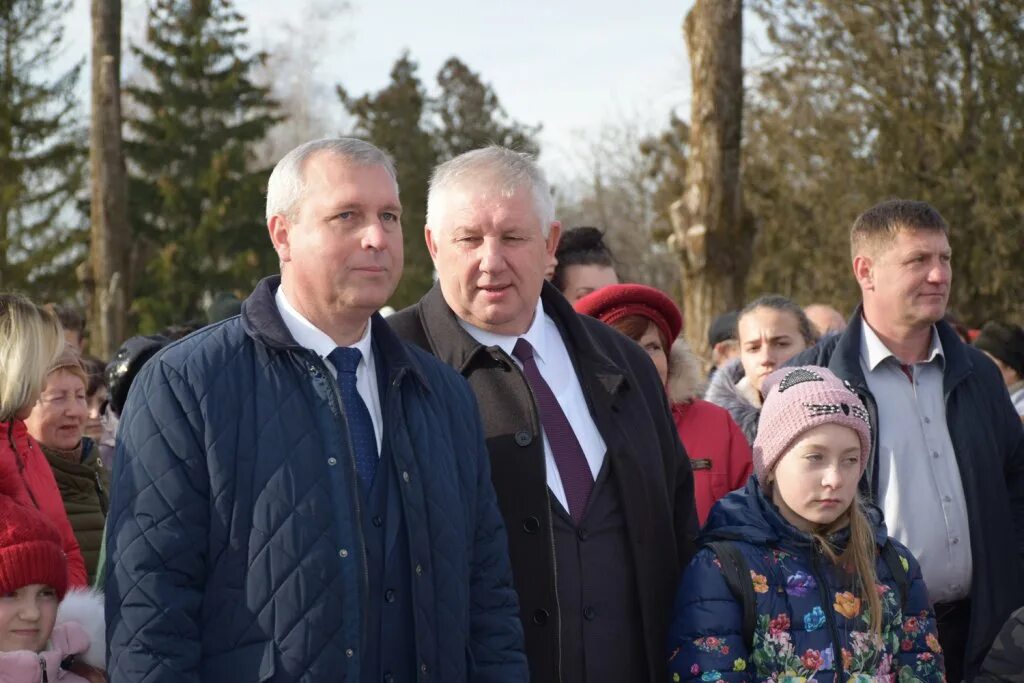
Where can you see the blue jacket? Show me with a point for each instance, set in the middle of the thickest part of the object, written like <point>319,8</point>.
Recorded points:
<point>810,623</point>
<point>226,563</point>
<point>989,444</point>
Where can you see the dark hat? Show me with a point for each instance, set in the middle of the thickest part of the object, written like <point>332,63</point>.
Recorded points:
<point>615,302</point>
<point>1004,341</point>
<point>723,328</point>
<point>127,362</point>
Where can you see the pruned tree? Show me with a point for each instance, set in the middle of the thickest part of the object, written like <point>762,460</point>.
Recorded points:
<point>617,189</point>
<point>196,192</point>
<point>710,236</point>
<point>42,155</point>
<point>109,284</point>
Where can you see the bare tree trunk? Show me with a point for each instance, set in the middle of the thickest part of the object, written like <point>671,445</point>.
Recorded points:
<point>710,236</point>
<point>108,283</point>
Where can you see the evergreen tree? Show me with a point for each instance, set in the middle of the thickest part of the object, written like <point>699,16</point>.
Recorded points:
<point>468,115</point>
<point>394,119</point>
<point>196,200</point>
<point>43,233</point>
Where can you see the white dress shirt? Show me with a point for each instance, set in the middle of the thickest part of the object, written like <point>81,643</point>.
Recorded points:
<point>309,336</point>
<point>556,368</point>
<point>919,485</point>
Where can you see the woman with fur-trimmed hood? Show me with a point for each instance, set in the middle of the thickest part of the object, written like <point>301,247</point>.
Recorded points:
<point>719,453</point>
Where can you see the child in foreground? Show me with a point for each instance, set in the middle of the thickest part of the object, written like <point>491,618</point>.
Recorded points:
<point>825,593</point>
<point>46,634</point>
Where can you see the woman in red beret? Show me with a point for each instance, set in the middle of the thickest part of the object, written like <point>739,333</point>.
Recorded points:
<point>719,453</point>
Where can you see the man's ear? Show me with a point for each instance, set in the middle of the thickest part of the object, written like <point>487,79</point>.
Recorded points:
<point>863,271</point>
<point>428,237</point>
<point>554,235</point>
<point>280,229</point>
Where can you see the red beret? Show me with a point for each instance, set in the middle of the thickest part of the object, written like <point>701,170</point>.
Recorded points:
<point>615,302</point>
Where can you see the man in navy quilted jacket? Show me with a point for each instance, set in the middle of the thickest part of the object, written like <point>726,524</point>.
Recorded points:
<point>301,496</point>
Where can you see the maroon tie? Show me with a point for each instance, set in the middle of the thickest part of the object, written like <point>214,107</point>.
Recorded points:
<point>572,464</point>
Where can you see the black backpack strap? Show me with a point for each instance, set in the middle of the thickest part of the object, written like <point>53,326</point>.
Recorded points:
<point>736,573</point>
<point>894,562</point>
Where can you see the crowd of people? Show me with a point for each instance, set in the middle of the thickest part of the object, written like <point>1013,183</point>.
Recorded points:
<point>527,475</point>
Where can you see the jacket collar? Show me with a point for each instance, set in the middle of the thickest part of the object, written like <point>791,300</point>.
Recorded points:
<point>846,357</point>
<point>456,347</point>
<point>262,321</point>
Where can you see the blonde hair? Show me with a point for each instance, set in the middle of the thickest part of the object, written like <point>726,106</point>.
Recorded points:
<point>858,557</point>
<point>31,339</point>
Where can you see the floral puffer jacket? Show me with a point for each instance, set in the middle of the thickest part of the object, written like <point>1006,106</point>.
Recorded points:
<point>811,623</point>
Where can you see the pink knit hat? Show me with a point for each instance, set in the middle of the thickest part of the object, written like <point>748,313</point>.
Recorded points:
<point>799,399</point>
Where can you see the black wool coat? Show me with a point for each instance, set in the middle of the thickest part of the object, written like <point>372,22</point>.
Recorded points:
<point>648,462</point>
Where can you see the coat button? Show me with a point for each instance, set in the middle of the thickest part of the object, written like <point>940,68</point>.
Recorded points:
<point>343,553</point>
<point>589,613</point>
<point>419,570</point>
<point>405,477</point>
<point>423,669</point>
<point>389,595</point>
<point>582,534</point>
<point>350,652</point>
<point>531,525</point>
<point>540,617</point>
<point>377,521</point>
<point>523,438</point>
<point>332,461</point>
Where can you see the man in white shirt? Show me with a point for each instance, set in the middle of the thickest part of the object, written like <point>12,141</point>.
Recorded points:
<point>948,457</point>
<point>593,483</point>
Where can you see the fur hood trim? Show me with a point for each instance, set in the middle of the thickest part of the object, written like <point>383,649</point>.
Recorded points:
<point>684,373</point>
<point>723,392</point>
<point>85,608</point>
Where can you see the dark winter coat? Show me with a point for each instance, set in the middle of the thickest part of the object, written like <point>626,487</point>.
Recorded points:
<point>989,446</point>
<point>1005,661</point>
<point>83,488</point>
<point>226,563</point>
<point>629,407</point>
<point>811,622</point>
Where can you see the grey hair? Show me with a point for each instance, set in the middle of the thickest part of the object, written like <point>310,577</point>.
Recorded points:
<point>287,184</point>
<point>500,169</point>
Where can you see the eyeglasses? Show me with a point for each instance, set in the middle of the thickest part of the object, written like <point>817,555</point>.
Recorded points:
<point>64,400</point>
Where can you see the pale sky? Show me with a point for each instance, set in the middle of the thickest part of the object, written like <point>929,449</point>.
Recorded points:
<point>572,65</point>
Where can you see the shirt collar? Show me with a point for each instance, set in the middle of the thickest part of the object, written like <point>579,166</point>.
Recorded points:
<point>874,351</point>
<point>309,336</point>
<point>536,334</point>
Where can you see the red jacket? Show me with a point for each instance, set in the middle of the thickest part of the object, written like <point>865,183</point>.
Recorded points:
<point>719,453</point>
<point>16,443</point>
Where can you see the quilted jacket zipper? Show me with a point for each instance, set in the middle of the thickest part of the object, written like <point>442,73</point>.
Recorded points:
<point>826,605</point>
<point>336,409</point>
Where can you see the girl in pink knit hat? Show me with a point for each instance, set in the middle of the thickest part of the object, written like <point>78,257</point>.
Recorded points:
<point>797,578</point>
<point>46,633</point>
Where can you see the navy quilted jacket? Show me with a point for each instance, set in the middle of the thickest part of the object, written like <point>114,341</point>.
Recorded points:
<point>226,563</point>
<point>811,623</point>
